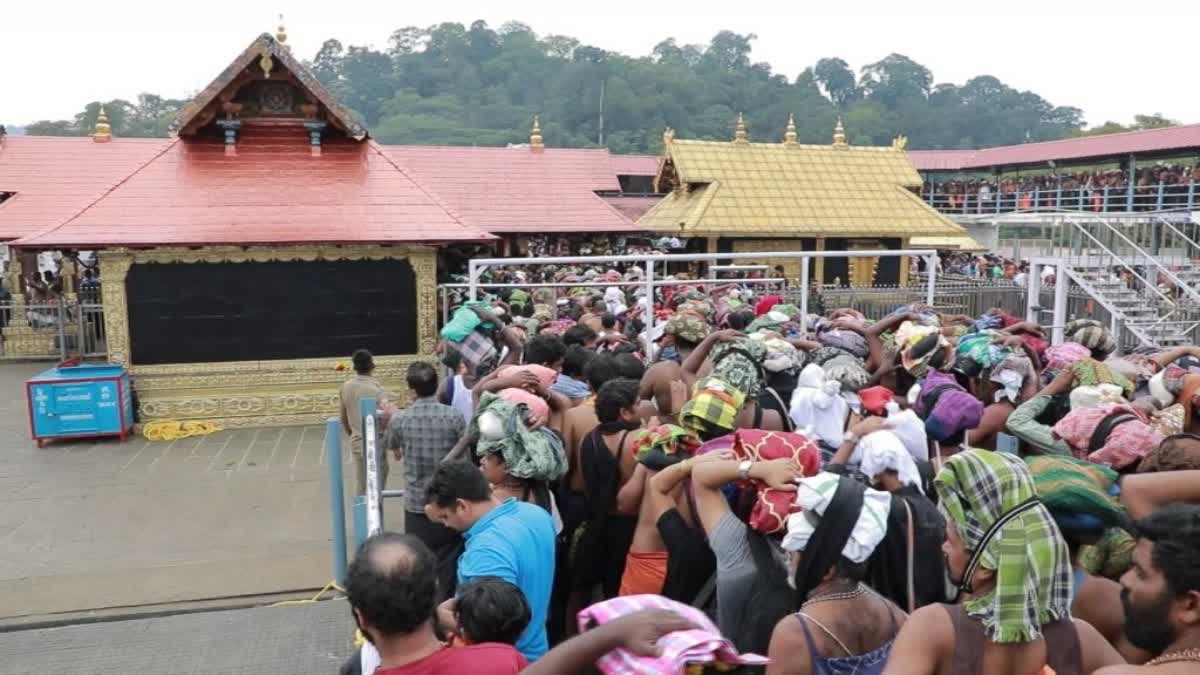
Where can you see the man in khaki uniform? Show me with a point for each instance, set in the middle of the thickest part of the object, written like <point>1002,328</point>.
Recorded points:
<point>354,390</point>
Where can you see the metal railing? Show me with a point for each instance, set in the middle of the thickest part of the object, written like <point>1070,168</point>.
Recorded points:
<point>649,281</point>
<point>53,330</point>
<point>950,298</point>
<point>1155,253</point>
<point>1148,198</point>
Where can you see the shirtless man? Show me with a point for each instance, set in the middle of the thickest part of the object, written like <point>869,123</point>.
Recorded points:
<point>947,639</point>
<point>682,333</point>
<point>580,420</point>
<point>1161,593</point>
<point>664,513</point>
<point>1097,599</point>
<point>595,311</point>
<point>697,365</point>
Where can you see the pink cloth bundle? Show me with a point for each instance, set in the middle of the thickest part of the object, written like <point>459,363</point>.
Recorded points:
<point>698,645</point>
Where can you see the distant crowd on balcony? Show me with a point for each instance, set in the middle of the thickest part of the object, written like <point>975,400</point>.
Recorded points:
<point>983,266</point>
<point>1157,187</point>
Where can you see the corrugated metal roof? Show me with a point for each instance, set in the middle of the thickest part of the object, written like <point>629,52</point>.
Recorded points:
<point>273,191</point>
<point>519,189</point>
<point>55,178</point>
<point>777,190</point>
<point>1185,137</point>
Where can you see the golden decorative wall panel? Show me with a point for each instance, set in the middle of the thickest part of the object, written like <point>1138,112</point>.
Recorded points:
<point>257,393</point>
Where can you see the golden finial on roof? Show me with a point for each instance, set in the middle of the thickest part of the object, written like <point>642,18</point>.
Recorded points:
<point>103,132</point>
<point>281,33</point>
<point>266,63</point>
<point>739,130</point>
<point>900,142</point>
<point>839,134</point>
<point>789,135</point>
<point>668,138</point>
<point>535,134</point>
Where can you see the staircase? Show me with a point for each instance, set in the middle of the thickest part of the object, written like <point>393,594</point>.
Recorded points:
<point>1157,301</point>
<point>1148,318</point>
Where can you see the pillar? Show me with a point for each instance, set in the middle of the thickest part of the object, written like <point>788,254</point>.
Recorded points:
<point>819,274</point>
<point>1132,181</point>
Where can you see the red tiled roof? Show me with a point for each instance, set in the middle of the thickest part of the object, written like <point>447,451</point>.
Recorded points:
<point>941,160</point>
<point>55,178</point>
<point>273,191</point>
<point>1108,145</point>
<point>519,190</point>
<point>635,165</point>
<point>633,207</point>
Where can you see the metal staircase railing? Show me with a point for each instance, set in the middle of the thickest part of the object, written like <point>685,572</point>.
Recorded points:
<point>1125,285</point>
<point>1185,250</point>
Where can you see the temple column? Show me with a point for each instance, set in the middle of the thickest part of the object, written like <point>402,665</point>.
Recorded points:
<point>70,279</point>
<point>16,286</point>
<point>20,338</point>
<point>819,273</point>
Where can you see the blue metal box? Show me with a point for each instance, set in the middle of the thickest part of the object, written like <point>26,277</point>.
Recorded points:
<point>79,402</point>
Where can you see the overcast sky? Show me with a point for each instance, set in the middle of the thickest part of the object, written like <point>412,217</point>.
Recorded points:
<point>1112,58</point>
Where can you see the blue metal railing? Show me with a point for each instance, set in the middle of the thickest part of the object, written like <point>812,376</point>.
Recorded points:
<point>337,498</point>
<point>1155,197</point>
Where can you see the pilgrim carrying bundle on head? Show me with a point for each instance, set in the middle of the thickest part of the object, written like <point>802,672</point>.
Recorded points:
<point>946,407</point>
<point>771,506</point>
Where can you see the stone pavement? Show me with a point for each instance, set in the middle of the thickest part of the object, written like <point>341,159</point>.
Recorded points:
<point>309,639</point>
<point>87,525</point>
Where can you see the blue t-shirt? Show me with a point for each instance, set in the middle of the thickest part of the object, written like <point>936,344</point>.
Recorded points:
<point>515,542</point>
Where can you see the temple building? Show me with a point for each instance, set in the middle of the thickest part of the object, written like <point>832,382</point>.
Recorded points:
<point>739,196</point>
<point>245,258</point>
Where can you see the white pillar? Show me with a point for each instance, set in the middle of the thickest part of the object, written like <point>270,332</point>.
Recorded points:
<point>804,289</point>
<point>931,265</point>
<point>649,294</point>
<point>1033,291</point>
<point>1061,283</point>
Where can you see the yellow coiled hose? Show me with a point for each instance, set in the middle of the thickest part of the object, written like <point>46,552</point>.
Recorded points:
<point>170,431</point>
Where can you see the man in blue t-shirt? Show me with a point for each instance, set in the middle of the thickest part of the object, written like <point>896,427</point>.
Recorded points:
<point>511,540</point>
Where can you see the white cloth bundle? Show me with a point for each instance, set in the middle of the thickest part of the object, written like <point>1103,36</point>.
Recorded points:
<point>817,405</point>
<point>814,494</point>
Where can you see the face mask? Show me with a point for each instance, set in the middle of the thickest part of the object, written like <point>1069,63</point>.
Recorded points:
<point>669,354</point>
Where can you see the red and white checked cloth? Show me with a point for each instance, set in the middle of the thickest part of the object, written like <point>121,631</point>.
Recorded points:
<point>679,649</point>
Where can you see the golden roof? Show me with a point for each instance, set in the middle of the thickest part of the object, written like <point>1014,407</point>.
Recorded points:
<point>961,243</point>
<point>791,190</point>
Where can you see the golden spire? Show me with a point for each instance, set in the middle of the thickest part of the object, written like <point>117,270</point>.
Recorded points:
<point>103,132</point>
<point>281,33</point>
<point>739,130</point>
<point>668,138</point>
<point>535,134</point>
<point>839,134</point>
<point>900,142</point>
<point>789,135</point>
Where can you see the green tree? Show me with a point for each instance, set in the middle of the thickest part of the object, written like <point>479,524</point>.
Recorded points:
<point>474,85</point>
<point>835,76</point>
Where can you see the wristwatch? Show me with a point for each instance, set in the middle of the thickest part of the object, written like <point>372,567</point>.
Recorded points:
<point>850,437</point>
<point>744,469</point>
